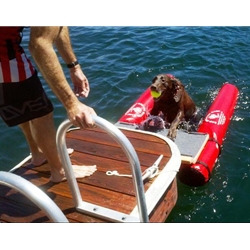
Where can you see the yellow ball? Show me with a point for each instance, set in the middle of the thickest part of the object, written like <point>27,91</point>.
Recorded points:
<point>155,94</point>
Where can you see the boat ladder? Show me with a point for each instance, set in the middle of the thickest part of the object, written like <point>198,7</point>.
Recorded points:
<point>33,193</point>
<point>128,149</point>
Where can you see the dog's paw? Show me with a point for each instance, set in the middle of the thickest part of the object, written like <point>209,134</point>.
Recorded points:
<point>172,134</point>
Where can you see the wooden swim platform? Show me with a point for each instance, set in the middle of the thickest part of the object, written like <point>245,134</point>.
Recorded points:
<point>96,147</point>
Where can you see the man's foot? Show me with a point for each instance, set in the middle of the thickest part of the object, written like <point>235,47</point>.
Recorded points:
<point>79,171</point>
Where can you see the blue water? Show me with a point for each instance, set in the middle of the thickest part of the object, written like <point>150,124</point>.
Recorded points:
<point>120,63</point>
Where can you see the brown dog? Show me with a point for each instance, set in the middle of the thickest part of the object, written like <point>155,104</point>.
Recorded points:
<point>174,102</point>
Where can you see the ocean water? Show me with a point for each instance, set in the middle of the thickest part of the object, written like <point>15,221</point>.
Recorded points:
<point>120,63</point>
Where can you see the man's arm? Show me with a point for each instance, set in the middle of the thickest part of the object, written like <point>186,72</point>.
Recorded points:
<point>41,49</point>
<point>64,47</point>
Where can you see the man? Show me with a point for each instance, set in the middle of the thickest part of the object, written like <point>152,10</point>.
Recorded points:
<point>23,101</point>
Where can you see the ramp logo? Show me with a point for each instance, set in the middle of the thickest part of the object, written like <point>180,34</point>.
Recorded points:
<point>216,117</point>
<point>138,110</point>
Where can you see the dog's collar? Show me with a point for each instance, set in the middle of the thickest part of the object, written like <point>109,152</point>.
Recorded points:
<point>170,76</point>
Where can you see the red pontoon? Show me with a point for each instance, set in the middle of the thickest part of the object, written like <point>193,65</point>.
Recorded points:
<point>198,160</point>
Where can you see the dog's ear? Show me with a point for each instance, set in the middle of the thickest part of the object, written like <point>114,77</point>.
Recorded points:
<point>177,91</point>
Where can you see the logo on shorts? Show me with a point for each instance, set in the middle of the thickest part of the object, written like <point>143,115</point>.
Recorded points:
<point>10,112</point>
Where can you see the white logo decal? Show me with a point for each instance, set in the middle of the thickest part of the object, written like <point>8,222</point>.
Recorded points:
<point>137,110</point>
<point>216,117</point>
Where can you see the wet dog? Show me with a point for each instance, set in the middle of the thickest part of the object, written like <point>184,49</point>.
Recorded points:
<point>173,102</point>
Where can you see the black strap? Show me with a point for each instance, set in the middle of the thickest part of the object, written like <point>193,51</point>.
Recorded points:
<point>206,166</point>
<point>73,64</point>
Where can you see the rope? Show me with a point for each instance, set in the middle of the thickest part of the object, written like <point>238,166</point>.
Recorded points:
<point>149,173</point>
<point>117,174</point>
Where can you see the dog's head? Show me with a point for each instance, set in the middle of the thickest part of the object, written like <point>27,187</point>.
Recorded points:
<point>167,86</point>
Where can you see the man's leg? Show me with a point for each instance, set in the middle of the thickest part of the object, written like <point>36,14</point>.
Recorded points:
<point>44,134</point>
<point>37,155</point>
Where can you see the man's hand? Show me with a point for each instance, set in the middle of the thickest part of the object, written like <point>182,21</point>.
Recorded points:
<point>81,115</point>
<point>80,81</point>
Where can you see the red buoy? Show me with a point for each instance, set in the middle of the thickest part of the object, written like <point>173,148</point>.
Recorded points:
<point>215,124</point>
<point>140,110</point>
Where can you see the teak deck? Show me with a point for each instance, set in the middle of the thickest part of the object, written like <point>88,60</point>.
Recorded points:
<point>92,147</point>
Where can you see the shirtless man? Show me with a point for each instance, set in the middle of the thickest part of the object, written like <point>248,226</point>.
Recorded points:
<point>16,72</point>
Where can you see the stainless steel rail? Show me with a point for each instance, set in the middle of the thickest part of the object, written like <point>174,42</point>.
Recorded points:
<point>34,194</point>
<point>129,151</point>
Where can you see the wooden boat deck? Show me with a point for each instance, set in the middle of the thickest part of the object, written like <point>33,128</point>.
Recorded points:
<point>93,147</point>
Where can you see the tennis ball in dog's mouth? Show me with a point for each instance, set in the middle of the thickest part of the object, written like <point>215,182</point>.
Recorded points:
<point>155,94</point>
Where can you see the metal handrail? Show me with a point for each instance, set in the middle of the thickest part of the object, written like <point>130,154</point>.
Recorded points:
<point>129,151</point>
<point>34,194</point>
